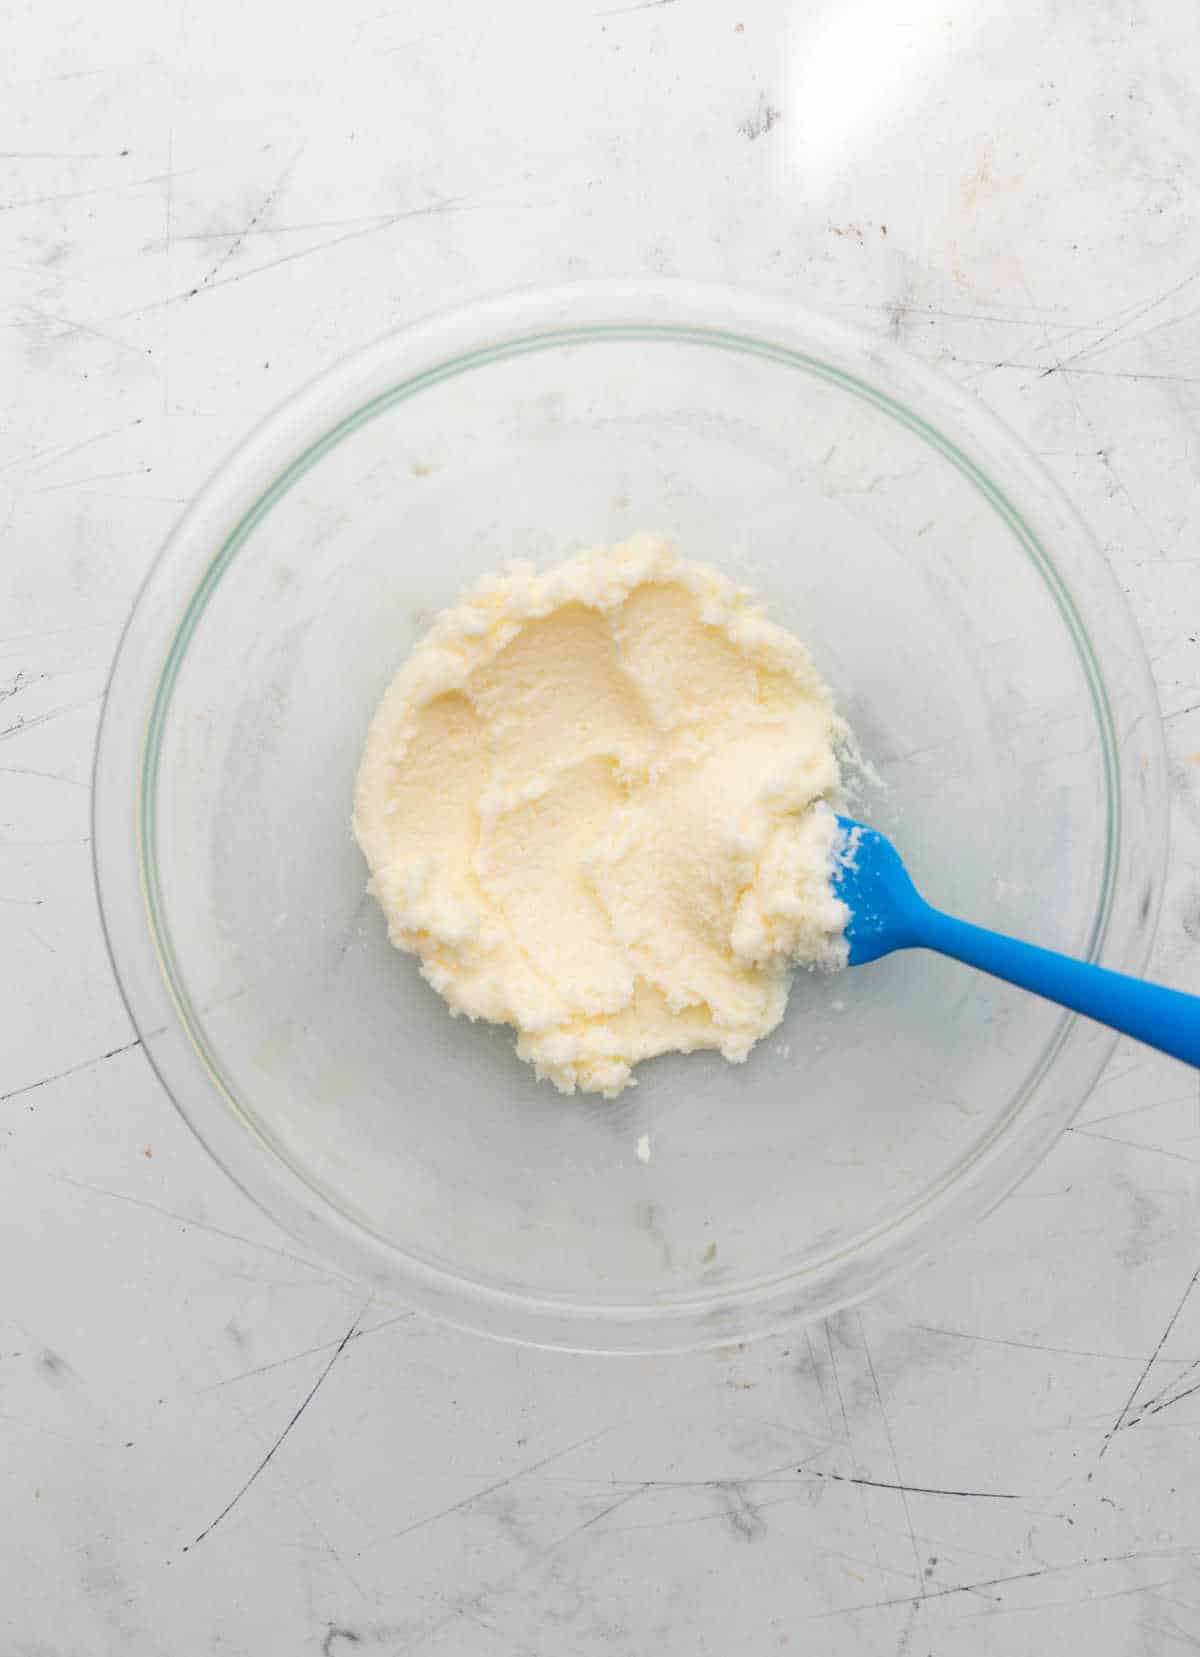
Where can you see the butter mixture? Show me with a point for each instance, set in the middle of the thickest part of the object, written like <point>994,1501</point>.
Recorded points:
<point>597,804</point>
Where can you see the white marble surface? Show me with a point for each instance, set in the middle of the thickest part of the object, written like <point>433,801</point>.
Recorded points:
<point>199,208</point>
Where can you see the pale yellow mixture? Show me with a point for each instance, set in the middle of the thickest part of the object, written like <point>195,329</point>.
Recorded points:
<point>597,804</point>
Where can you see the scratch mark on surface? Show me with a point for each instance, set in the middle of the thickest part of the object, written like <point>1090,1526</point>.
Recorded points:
<point>70,840</point>
<point>887,1427</point>
<point>1035,319</point>
<point>32,1087</point>
<point>1001,1610</point>
<point>1163,324</point>
<point>297,1498</point>
<point>837,1382</point>
<point>815,1372</point>
<point>621,1501</point>
<point>46,457</point>
<point>1016,366</point>
<point>196,1225</point>
<point>1175,1381</point>
<point>1132,315</point>
<point>56,632</point>
<point>95,477</point>
<point>1122,374</point>
<point>36,935</point>
<point>72,327</point>
<point>1135,1145</point>
<point>141,497</point>
<point>1165,1404</point>
<point>473,1605</point>
<point>361,221</point>
<point>268,202</point>
<point>1137,1110</point>
<point>331,1550</point>
<point>1001,1581</point>
<point>75,195</point>
<point>46,776</point>
<point>308,1352</point>
<point>450,205</point>
<point>848,1436</point>
<point>1149,1365</point>
<point>304,1403</point>
<point>919,1489</point>
<point>62,155</point>
<point>23,724</point>
<point>768,1475</point>
<point>491,1489</point>
<point>504,1584</point>
<point>1112,1076</point>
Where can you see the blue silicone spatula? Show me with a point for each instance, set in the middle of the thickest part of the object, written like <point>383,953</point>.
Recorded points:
<point>887,912</point>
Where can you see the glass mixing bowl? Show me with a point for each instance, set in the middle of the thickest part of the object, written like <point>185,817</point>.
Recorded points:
<point>974,638</point>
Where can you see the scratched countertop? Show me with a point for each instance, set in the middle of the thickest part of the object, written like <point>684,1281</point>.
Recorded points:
<point>204,1449</point>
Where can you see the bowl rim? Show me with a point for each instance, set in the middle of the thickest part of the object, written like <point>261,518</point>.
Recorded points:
<point>263,468</point>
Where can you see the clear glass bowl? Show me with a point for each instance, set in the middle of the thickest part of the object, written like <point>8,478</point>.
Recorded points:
<point>974,638</point>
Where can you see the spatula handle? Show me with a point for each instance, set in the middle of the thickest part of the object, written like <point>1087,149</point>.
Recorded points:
<point>1162,1018</point>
